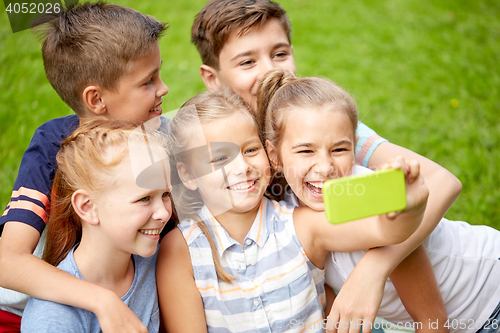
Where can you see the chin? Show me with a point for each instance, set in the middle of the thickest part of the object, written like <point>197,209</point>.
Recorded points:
<point>147,253</point>
<point>315,205</point>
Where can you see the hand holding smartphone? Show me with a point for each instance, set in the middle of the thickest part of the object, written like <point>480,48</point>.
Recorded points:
<point>358,196</point>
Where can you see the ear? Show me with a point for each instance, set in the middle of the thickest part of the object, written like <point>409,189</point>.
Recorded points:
<point>272,153</point>
<point>84,207</point>
<point>186,176</point>
<point>210,77</point>
<point>92,99</point>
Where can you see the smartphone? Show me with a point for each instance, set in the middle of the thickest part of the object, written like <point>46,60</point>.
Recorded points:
<point>358,196</point>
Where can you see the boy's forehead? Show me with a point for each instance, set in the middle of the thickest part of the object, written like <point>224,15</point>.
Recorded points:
<point>270,34</point>
<point>146,61</point>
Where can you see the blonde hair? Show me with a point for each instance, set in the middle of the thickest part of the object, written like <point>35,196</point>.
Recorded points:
<point>200,109</point>
<point>85,162</point>
<point>281,92</point>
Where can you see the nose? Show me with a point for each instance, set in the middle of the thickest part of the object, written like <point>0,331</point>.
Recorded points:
<point>162,210</point>
<point>162,89</point>
<point>240,166</point>
<point>265,66</point>
<point>325,166</point>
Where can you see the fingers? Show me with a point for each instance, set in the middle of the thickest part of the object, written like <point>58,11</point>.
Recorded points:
<point>333,319</point>
<point>368,324</point>
<point>413,171</point>
<point>338,323</point>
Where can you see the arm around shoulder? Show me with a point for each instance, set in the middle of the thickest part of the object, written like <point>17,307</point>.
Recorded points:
<point>181,306</point>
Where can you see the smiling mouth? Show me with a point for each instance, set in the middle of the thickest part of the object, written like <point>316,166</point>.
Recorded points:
<point>315,187</point>
<point>156,108</point>
<point>242,186</point>
<point>150,231</point>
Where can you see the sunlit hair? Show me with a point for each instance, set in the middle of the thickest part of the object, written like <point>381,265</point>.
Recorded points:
<point>92,44</point>
<point>281,93</point>
<point>87,160</point>
<point>201,109</point>
<point>219,19</point>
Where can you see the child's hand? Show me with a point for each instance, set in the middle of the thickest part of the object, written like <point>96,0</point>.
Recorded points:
<point>416,190</point>
<point>357,302</point>
<point>117,317</point>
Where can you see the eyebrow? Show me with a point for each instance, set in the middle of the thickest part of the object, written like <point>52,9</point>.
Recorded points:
<point>242,54</point>
<point>250,52</point>
<point>309,145</point>
<point>252,140</point>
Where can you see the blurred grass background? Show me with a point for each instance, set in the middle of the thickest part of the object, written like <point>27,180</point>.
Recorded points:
<point>425,75</point>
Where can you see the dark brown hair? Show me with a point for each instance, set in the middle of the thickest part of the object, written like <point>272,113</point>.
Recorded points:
<point>219,19</point>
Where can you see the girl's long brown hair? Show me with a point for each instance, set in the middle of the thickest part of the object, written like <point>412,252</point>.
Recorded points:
<point>84,162</point>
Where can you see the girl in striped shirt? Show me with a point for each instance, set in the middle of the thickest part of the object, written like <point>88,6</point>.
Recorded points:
<point>240,262</point>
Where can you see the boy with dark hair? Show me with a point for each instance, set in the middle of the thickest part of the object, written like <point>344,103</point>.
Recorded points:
<point>102,59</point>
<point>241,40</point>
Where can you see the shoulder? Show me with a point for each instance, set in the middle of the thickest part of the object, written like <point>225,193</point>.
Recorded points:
<point>190,230</point>
<point>174,259</point>
<point>63,125</point>
<point>43,316</point>
<point>30,196</point>
<point>68,265</point>
<point>56,130</point>
<point>47,139</point>
<point>282,209</point>
<point>172,248</point>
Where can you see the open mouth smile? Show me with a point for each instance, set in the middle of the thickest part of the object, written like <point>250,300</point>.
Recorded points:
<point>150,231</point>
<point>315,188</point>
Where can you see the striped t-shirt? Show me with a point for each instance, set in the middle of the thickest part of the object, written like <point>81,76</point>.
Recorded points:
<point>274,290</point>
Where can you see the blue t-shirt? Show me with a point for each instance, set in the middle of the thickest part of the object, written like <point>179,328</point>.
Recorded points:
<point>142,298</point>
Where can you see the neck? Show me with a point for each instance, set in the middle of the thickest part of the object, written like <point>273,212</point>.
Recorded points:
<point>237,224</point>
<point>104,265</point>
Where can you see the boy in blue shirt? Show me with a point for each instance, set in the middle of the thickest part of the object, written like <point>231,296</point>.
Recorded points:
<point>239,42</point>
<point>103,60</point>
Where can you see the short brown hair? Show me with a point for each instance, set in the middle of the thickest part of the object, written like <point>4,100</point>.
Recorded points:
<point>219,19</point>
<point>92,44</point>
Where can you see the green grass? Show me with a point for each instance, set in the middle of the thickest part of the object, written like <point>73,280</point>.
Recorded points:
<point>425,76</point>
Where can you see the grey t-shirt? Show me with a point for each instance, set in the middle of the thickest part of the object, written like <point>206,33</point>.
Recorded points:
<point>142,298</point>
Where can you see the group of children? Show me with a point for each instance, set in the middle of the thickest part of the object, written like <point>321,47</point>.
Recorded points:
<point>244,256</point>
